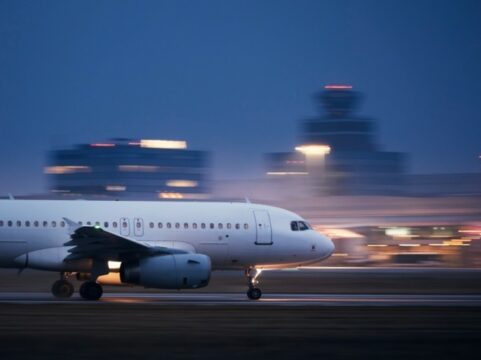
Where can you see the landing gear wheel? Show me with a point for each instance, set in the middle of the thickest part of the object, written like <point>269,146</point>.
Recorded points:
<point>254,293</point>
<point>62,289</point>
<point>90,290</point>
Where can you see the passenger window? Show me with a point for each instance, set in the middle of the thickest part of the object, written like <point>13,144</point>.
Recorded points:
<point>186,226</point>
<point>212,226</point>
<point>220,226</point>
<point>62,223</point>
<point>45,223</point>
<point>294,226</point>
<point>159,225</point>
<point>80,223</point>
<point>27,223</point>
<point>19,223</point>
<point>202,225</point>
<point>114,224</point>
<point>1,223</point>
<point>54,224</point>
<point>228,226</point>
<point>10,223</point>
<point>194,226</point>
<point>151,225</point>
<point>124,224</point>
<point>106,224</point>
<point>138,224</point>
<point>177,225</point>
<point>237,226</point>
<point>35,223</point>
<point>169,225</point>
<point>246,226</point>
<point>89,223</point>
<point>97,223</point>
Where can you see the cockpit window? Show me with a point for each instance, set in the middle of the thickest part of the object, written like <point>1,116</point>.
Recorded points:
<point>294,226</point>
<point>300,226</point>
<point>303,226</point>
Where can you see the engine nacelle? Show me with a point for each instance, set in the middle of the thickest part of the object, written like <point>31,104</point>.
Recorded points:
<point>180,271</point>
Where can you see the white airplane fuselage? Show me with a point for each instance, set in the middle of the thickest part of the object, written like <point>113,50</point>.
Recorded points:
<point>233,235</point>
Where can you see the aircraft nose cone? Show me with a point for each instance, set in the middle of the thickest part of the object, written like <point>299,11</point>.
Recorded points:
<point>326,246</point>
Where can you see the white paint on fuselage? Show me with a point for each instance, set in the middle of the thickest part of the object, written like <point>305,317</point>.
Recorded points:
<point>228,248</point>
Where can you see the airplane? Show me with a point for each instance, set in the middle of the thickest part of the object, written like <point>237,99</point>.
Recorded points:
<point>164,245</point>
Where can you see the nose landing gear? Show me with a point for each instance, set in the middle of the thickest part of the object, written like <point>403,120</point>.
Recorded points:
<point>253,293</point>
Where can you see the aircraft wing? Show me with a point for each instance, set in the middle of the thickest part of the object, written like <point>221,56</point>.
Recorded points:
<point>98,243</point>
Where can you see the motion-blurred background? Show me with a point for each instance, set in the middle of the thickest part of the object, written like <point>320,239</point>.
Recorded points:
<point>363,117</point>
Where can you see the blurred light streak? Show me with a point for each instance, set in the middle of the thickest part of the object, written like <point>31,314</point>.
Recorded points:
<point>163,144</point>
<point>283,173</point>
<point>338,233</point>
<point>182,183</point>
<point>313,149</point>
<point>138,168</point>
<point>115,188</point>
<point>410,245</point>
<point>67,169</point>
<point>337,87</point>
<point>102,145</point>
<point>170,195</point>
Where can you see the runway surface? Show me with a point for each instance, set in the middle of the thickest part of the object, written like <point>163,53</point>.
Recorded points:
<point>271,299</point>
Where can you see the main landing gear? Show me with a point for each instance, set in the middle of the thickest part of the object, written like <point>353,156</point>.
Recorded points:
<point>253,293</point>
<point>63,289</point>
<point>90,290</point>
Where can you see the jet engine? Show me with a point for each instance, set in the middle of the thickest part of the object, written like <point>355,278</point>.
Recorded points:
<point>179,271</point>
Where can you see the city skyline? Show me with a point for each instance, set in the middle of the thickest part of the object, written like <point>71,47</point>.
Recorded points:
<point>235,78</point>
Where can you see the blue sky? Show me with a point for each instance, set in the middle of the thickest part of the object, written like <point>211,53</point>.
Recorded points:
<point>235,77</point>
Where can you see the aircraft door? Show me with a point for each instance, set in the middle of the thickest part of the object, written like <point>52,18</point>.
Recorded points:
<point>263,227</point>
<point>124,226</point>
<point>138,227</point>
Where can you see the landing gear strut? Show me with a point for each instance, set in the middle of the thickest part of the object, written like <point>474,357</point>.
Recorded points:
<point>90,290</point>
<point>62,289</point>
<point>253,293</point>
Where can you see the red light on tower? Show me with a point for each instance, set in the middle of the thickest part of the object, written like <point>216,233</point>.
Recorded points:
<point>338,87</point>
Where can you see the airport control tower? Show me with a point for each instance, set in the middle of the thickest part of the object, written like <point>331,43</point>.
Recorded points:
<point>352,161</point>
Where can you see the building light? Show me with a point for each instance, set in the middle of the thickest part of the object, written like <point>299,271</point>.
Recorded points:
<point>314,149</point>
<point>338,87</point>
<point>114,265</point>
<point>163,144</point>
<point>67,169</point>
<point>138,168</point>
<point>102,145</point>
<point>170,195</point>
<point>182,183</point>
<point>283,173</point>
<point>398,232</point>
<point>115,188</point>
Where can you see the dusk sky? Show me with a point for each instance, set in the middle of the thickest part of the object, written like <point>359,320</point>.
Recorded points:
<point>235,77</point>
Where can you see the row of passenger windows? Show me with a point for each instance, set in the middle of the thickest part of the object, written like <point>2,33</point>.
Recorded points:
<point>125,224</point>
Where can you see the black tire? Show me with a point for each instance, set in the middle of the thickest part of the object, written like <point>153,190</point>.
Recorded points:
<point>90,290</point>
<point>254,293</point>
<point>62,289</point>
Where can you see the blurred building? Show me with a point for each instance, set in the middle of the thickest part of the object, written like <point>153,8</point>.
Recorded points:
<point>339,151</point>
<point>126,168</point>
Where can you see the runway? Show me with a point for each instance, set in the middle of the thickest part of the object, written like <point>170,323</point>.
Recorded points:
<point>239,299</point>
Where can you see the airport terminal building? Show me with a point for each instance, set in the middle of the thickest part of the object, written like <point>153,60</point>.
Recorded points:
<point>129,169</point>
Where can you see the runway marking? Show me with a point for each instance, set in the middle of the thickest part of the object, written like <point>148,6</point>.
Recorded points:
<point>376,300</point>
